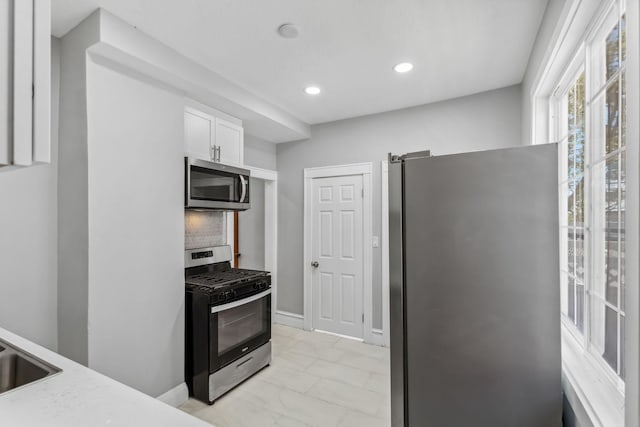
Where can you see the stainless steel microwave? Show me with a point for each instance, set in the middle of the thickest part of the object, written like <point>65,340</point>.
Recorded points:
<point>215,186</point>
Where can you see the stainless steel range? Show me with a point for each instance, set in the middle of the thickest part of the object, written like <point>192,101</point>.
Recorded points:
<point>228,322</point>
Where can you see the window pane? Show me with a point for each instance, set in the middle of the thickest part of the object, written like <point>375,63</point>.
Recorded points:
<point>599,227</point>
<point>580,307</point>
<point>598,128</point>
<point>622,348</point>
<point>604,52</point>
<point>623,110</point>
<point>623,195</point>
<point>596,322</point>
<point>612,51</point>
<point>570,207</point>
<point>610,353</point>
<point>571,244</point>
<point>612,115</point>
<point>611,230</point>
<point>579,251</point>
<point>579,229</point>
<point>623,41</point>
<point>571,300</point>
<point>564,297</point>
<point>571,144</point>
<point>604,332</point>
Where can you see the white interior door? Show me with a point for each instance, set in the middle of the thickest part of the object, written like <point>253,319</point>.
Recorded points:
<point>337,255</point>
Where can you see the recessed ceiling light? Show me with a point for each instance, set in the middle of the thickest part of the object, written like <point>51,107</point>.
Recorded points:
<point>289,31</point>
<point>312,90</point>
<point>403,67</point>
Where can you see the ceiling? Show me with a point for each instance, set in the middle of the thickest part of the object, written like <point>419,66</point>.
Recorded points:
<point>346,47</point>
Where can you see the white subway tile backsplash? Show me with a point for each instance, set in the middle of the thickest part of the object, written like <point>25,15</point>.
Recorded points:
<point>204,229</point>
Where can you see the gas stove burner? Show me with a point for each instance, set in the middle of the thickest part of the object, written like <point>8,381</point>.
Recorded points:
<point>216,279</point>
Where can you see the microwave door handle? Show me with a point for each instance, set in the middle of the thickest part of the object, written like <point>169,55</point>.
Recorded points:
<point>244,188</point>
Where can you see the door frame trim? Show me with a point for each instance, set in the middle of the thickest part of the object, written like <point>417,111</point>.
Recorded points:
<point>270,178</point>
<point>366,171</point>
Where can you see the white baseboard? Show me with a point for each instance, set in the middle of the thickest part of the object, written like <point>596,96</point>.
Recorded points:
<point>297,321</point>
<point>176,396</point>
<point>376,337</point>
<point>289,319</point>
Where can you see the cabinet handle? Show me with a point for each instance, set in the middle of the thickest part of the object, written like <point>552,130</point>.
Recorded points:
<point>215,153</point>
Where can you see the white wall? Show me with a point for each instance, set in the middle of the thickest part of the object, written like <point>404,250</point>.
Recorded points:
<point>121,198</point>
<point>28,246</point>
<point>478,122</point>
<point>136,230</point>
<point>539,54</point>
<point>73,193</point>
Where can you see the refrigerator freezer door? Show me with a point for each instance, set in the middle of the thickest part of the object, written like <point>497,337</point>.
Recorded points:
<point>481,289</point>
<point>396,297</point>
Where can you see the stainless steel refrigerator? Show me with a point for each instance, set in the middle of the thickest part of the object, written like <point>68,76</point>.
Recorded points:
<point>475,294</point>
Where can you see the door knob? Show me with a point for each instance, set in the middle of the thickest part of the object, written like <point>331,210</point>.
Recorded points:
<point>315,264</point>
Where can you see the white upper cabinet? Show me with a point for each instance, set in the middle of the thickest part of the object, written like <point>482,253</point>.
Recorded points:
<point>210,137</point>
<point>25,82</point>
<point>229,139</point>
<point>197,135</point>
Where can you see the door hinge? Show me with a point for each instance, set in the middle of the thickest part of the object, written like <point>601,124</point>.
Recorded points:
<point>362,317</point>
<point>395,158</point>
<point>362,193</point>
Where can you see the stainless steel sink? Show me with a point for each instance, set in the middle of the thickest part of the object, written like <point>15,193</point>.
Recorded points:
<point>19,368</point>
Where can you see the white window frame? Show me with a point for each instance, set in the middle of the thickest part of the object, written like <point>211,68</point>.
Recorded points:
<point>579,358</point>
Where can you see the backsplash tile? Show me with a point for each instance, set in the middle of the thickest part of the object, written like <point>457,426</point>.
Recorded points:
<point>204,229</point>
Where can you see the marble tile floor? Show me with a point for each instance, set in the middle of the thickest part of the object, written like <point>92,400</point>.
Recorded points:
<point>315,379</point>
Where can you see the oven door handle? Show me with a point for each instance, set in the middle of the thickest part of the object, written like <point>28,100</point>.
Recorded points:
<point>234,304</point>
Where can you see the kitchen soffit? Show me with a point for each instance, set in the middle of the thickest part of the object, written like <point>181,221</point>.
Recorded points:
<point>348,47</point>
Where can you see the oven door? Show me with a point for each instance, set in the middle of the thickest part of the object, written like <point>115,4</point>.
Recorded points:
<point>238,327</point>
<point>215,186</point>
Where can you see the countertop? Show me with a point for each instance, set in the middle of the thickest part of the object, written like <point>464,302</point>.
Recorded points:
<point>79,396</point>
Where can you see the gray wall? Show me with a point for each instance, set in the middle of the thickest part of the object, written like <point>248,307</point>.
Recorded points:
<point>477,122</point>
<point>251,229</point>
<point>259,153</point>
<point>28,247</point>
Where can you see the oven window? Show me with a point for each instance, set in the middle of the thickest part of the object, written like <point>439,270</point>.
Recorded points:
<point>241,324</point>
<point>216,186</point>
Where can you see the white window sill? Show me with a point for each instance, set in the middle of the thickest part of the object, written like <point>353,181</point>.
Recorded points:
<point>589,392</point>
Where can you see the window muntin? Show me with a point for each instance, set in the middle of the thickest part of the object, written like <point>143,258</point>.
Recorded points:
<point>572,188</point>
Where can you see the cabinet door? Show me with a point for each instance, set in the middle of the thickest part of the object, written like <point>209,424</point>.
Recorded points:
<point>230,138</point>
<point>198,135</point>
<point>23,82</point>
<point>6,64</point>
<point>42,81</point>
